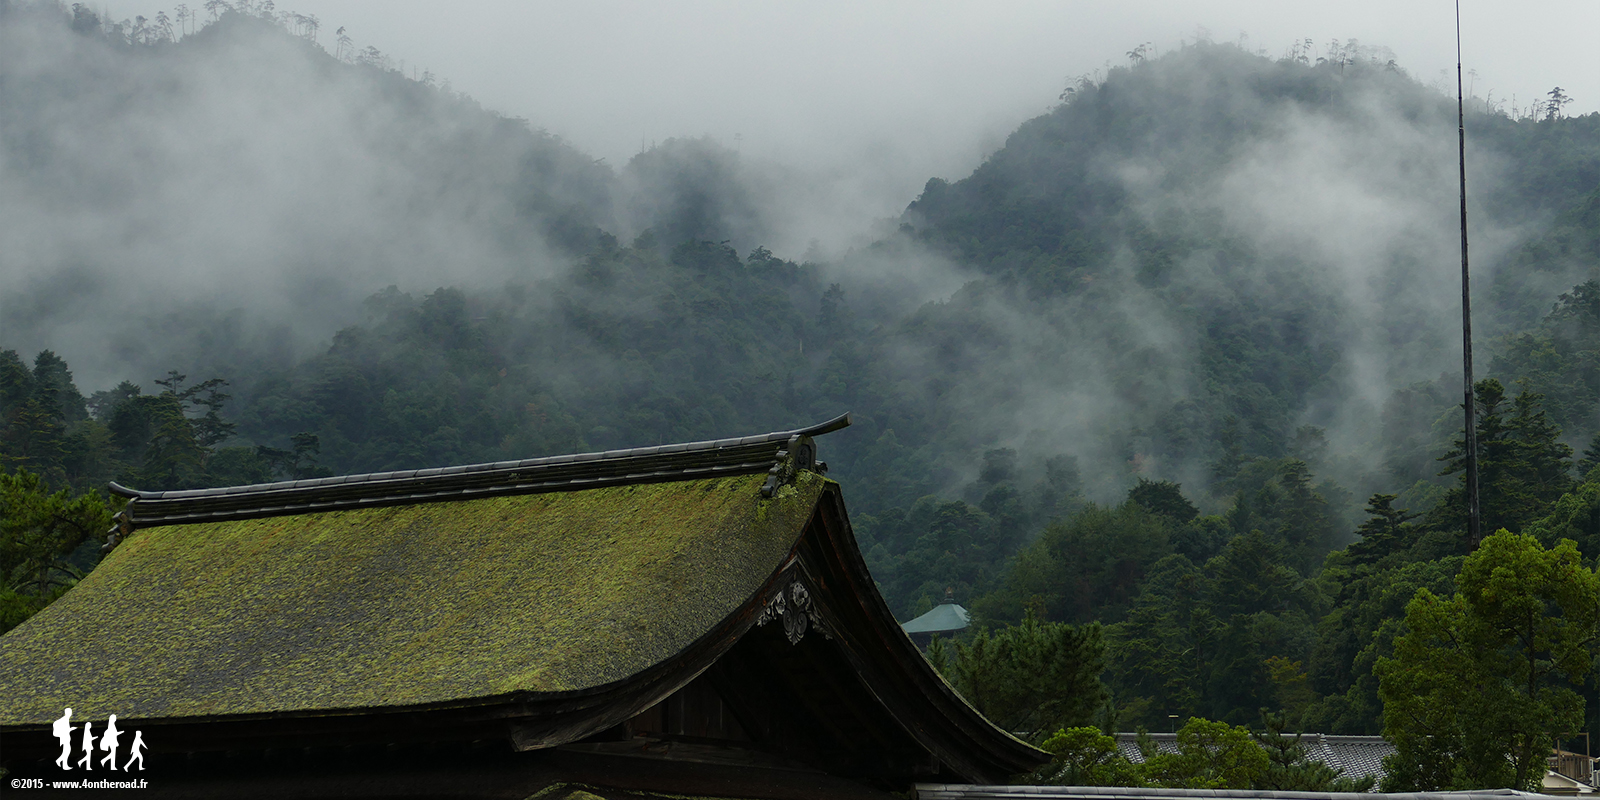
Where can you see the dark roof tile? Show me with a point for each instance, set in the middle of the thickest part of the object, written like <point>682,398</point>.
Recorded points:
<point>1354,756</point>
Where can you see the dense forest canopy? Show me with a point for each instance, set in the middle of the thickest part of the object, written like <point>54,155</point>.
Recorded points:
<point>1180,359</point>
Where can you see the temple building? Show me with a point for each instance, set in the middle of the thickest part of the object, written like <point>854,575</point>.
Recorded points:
<point>946,619</point>
<point>682,620</point>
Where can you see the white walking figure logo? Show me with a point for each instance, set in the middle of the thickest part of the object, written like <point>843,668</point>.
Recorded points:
<point>108,743</point>
<point>87,762</point>
<point>62,729</point>
<point>137,747</point>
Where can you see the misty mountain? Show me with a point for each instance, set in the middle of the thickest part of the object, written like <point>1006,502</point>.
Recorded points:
<point>242,178</point>
<point>1203,268</point>
<point>1273,243</point>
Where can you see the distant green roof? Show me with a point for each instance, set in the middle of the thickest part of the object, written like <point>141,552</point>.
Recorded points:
<point>945,618</point>
<point>401,605</point>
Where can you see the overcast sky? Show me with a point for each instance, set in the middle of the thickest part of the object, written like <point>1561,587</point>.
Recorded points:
<point>907,89</point>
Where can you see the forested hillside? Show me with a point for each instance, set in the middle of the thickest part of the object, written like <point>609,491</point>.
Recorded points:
<point>1181,359</point>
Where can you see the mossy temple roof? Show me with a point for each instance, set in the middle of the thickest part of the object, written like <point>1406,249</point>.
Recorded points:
<point>417,603</point>
<point>545,604</point>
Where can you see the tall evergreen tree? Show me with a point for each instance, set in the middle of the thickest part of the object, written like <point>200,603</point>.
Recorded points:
<point>1591,457</point>
<point>39,531</point>
<point>1545,461</point>
<point>1386,532</point>
<point>1304,520</point>
<point>1164,498</point>
<point>1522,464</point>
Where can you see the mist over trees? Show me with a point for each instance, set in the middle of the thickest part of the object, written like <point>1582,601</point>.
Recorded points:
<point>1170,380</point>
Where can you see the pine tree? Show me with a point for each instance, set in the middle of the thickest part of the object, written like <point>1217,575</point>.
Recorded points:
<point>1304,519</point>
<point>35,409</point>
<point>1591,457</point>
<point>1544,460</point>
<point>1522,465</point>
<point>39,531</point>
<point>1289,767</point>
<point>1163,498</point>
<point>1037,677</point>
<point>1387,531</point>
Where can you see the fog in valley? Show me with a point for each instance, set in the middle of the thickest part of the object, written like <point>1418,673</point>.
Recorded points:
<point>226,198</point>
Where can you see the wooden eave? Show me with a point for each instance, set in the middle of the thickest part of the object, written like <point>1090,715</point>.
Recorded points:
<point>890,664</point>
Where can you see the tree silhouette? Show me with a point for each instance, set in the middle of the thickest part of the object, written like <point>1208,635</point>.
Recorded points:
<point>1558,101</point>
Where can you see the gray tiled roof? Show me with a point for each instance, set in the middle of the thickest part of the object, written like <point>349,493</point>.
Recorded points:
<point>1354,756</point>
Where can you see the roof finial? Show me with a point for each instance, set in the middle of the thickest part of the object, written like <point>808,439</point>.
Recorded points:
<point>949,595</point>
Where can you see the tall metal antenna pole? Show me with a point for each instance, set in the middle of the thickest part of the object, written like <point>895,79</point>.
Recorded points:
<point>1474,532</point>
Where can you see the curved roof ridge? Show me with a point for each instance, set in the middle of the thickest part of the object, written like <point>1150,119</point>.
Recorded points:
<point>714,458</point>
<point>837,423</point>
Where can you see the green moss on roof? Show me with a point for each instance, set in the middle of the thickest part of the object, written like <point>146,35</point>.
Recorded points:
<point>403,605</point>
